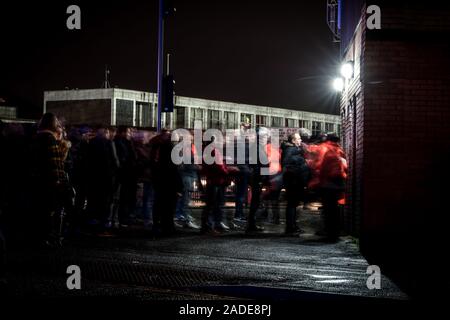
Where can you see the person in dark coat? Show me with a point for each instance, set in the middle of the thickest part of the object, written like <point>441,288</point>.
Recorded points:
<point>101,170</point>
<point>127,174</point>
<point>295,177</point>
<point>144,173</point>
<point>167,184</point>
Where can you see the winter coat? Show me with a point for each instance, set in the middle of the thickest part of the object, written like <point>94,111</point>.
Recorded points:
<point>294,164</point>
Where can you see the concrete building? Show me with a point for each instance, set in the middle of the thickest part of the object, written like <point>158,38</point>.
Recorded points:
<point>139,109</point>
<point>395,116</point>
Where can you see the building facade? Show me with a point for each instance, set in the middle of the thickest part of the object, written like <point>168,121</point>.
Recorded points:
<point>139,109</point>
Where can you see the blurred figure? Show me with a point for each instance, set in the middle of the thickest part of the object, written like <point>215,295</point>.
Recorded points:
<point>217,178</point>
<point>242,179</point>
<point>296,174</point>
<point>333,174</point>
<point>167,184</point>
<point>127,175</point>
<point>256,180</point>
<point>113,220</point>
<point>188,174</point>
<point>101,170</point>
<point>67,202</point>
<point>144,173</point>
<point>273,183</point>
<point>2,190</point>
<point>49,180</point>
<point>78,178</point>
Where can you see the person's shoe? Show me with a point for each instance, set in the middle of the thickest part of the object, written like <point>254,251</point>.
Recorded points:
<point>224,226</point>
<point>254,229</point>
<point>191,225</point>
<point>179,219</point>
<point>177,224</point>
<point>106,234</point>
<point>296,231</point>
<point>234,226</point>
<point>276,219</point>
<point>240,219</point>
<point>209,231</point>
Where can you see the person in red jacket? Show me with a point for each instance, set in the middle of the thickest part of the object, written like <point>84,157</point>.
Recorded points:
<point>218,177</point>
<point>331,183</point>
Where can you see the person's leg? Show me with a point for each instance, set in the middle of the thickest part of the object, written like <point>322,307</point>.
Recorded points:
<point>169,206</point>
<point>127,201</point>
<point>241,195</point>
<point>147,202</point>
<point>115,204</point>
<point>183,201</point>
<point>157,207</point>
<point>275,206</point>
<point>330,213</point>
<point>123,204</point>
<point>291,207</point>
<point>255,202</point>
<point>209,205</point>
<point>219,196</point>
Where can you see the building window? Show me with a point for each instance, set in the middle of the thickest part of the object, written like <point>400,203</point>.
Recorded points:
<point>339,132</point>
<point>8,112</point>
<point>213,119</point>
<point>277,122</point>
<point>143,114</point>
<point>246,118</point>
<point>290,123</point>
<point>180,117</point>
<point>329,127</point>
<point>196,114</point>
<point>261,121</point>
<point>304,124</point>
<point>316,128</point>
<point>124,112</point>
<point>230,120</point>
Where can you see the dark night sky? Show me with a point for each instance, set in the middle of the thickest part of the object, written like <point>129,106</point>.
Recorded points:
<point>256,52</point>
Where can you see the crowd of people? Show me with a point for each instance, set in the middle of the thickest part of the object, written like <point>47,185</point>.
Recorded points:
<point>61,180</point>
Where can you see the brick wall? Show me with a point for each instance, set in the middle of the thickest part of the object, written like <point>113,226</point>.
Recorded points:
<point>399,161</point>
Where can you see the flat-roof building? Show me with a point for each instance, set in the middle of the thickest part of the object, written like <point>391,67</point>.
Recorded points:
<point>113,106</point>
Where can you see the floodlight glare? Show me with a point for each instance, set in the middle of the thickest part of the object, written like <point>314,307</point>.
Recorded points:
<point>338,84</point>
<point>347,70</point>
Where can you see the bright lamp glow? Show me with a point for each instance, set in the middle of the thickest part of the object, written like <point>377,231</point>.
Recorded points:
<point>347,70</point>
<point>338,84</point>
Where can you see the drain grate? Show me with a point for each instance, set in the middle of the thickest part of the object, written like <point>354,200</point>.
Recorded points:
<point>121,272</point>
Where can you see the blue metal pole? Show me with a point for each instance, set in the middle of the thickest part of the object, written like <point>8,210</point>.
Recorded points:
<point>160,61</point>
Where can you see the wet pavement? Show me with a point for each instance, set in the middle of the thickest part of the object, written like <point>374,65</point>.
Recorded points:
<point>188,265</point>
